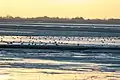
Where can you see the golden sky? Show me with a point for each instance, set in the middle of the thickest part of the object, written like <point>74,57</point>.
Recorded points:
<point>61,8</point>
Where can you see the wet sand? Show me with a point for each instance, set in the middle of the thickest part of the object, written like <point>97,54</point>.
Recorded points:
<point>52,74</point>
<point>46,74</point>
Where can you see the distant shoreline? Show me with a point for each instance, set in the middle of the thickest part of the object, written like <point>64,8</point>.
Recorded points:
<point>46,19</point>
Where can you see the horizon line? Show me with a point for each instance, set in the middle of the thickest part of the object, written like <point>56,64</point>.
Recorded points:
<point>8,16</point>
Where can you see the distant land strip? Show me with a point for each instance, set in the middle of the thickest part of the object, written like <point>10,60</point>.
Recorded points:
<point>47,19</point>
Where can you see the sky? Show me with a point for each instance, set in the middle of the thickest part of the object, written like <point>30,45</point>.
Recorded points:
<point>61,8</point>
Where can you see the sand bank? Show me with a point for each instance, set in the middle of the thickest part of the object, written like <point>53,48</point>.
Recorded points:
<point>47,74</point>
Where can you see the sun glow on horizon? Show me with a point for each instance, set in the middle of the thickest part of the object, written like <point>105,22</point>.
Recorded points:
<point>71,1</point>
<point>61,8</point>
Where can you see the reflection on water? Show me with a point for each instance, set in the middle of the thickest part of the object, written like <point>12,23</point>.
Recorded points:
<point>87,30</point>
<point>40,64</point>
<point>104,60</point>
<point>16,63</point>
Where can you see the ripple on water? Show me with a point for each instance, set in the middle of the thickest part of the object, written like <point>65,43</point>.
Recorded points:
<point>85,60</point>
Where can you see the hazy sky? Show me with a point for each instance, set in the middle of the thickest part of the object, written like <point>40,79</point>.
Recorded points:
<point>61,8</point>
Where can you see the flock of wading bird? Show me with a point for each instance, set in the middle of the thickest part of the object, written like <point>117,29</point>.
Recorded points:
<point>59,40</point>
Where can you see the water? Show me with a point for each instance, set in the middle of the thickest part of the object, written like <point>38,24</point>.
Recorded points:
<point>105,60</point>
<point>83,30</point>
<point>90,60</point>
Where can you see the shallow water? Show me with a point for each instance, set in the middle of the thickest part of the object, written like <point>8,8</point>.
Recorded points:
<point>43,63</point>
<point>86,30</point>
<point>104,60</point>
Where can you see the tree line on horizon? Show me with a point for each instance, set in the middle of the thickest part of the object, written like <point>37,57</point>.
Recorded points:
<point>47,19</point>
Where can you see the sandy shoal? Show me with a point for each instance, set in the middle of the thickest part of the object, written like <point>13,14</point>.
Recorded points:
<point>49,74</point>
